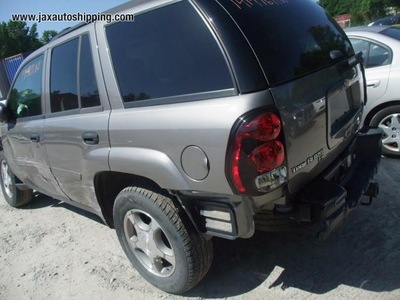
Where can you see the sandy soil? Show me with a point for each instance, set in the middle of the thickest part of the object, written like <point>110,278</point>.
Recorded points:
<point>50,250</point>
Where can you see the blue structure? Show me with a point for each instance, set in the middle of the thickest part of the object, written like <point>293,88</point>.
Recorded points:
<point>8,70</point>
<point>11,65</point>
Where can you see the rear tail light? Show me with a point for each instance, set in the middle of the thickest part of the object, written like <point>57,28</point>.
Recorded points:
<point>256,154</point>
<point>268,156</point>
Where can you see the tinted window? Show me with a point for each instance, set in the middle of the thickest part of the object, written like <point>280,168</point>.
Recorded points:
<point>361,46</point>
<point>166,52</point>
<point>391,20</point>
<point>63,77</point>
<point>88,87</point>
<point>374,55</point>
<point>290,38</point>
<point>25,95</point>
<point>378,56</point>
<point>393,32</point>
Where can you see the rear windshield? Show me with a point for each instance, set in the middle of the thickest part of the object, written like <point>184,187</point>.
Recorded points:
<point>393,32</point>
<point>291,38</point>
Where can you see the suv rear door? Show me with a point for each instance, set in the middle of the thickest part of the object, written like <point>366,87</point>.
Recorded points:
<point>76,125</point>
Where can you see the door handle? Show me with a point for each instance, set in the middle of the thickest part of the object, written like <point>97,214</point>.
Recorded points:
<point>90,138</point>
<point>373,83</point>
<point>35,138</point>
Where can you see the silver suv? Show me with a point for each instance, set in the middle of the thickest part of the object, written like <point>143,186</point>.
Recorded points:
<point>200,118</point>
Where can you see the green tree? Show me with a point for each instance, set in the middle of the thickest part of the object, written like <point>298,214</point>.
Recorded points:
<point>16,37</point>
<point>336,7</point>
<point>48,35</point>
<point>365,11</point>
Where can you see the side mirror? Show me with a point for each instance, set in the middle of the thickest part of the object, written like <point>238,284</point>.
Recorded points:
<point>4,116</point>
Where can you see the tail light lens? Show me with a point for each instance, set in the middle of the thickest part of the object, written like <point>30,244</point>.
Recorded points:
<point>268,156</point>
<point>257,155</point>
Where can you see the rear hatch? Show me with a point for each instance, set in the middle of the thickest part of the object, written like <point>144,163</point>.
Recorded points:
<point>314,78</point>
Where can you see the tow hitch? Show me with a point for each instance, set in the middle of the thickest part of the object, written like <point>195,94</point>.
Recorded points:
<point>371,192</point>
<point>330,202</point>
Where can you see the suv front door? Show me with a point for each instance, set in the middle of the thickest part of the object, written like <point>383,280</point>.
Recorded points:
<point>23,134</point>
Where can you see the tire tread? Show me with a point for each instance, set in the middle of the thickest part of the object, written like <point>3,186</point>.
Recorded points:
<point>19,197</point>
<point>199,252</point>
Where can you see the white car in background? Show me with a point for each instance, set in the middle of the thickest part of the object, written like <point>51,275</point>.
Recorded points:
<point>381,53</point>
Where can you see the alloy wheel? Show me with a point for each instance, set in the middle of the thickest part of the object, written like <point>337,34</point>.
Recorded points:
<point>391,132</point>
<point>6,177</point>
<point>149,243</point>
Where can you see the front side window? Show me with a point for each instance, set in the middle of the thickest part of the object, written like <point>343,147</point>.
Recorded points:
<point>72,79</point>
<point>25,98</point>
<point>374,55</point>
<point>166,52</point>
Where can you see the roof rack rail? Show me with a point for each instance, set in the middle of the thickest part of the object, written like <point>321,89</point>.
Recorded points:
<point>109,11</point>
<point>68,30</point>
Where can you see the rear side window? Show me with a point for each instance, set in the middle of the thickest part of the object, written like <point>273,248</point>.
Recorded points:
<point>25,99</point>
<point>374,55</point>
<point>166,52</point>
<point>290,38</point>
<point>89,94</point>
<point>72,78</point>
<point>63,77</point>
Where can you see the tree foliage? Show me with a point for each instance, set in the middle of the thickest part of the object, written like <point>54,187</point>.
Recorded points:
<point>48,35</point>
<point>336,7</point>
<point>362,11</point>
<point>16,37</point>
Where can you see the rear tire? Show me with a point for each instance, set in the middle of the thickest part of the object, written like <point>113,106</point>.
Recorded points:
<point>163,247</point>
<point>389,120</point>
<point>13,196</point>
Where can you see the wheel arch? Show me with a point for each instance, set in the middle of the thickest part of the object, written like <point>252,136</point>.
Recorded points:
<point>140,167</point>
<point>378,108</point>
<point>109,184</point>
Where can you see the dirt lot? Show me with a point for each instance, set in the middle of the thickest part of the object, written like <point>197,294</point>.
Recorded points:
<point>50,250</point>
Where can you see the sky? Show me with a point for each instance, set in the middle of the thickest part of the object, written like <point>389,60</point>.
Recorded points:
<point>9,7</point>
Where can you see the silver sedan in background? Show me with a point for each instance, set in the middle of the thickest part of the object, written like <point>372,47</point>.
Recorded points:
<point>381,52</point>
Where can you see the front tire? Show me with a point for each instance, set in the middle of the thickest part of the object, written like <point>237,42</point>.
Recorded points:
<point>163,247</point>
<point>13,196</point>
<point>389,120</point>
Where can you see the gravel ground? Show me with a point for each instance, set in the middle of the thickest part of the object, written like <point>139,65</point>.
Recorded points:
<point>50,250</point>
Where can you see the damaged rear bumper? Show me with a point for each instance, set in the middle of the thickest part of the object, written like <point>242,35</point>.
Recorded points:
<point>327,200</point>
